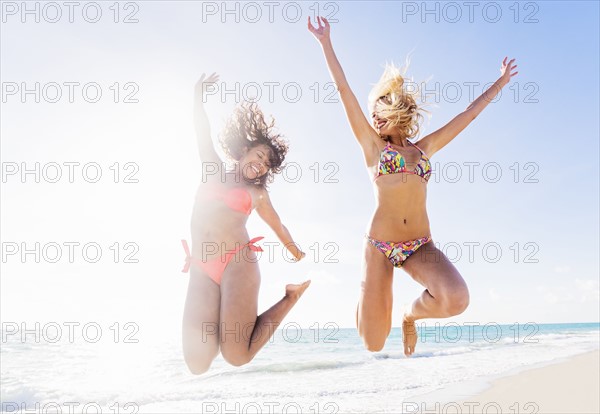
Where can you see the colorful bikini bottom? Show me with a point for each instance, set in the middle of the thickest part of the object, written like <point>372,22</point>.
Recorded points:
<point>398,252</point>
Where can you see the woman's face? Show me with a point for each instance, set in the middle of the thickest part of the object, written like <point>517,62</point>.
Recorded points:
<point>255,162</point>
<point>379,122</point>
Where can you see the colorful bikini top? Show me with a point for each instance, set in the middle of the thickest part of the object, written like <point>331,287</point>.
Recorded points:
<point>392,162</point>
<point>236,198</point>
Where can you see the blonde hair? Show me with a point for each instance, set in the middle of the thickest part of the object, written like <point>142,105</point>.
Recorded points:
<point>393,99</point>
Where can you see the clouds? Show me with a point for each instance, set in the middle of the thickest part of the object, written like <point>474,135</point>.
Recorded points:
<point>555,295</point>
<point>588,289</point>
<point>576,291</point>
<point>562,269</point>
<point>494,296</point>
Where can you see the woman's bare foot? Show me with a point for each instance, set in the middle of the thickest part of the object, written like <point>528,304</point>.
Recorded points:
<point>409,335</point>
<point>295,291</point>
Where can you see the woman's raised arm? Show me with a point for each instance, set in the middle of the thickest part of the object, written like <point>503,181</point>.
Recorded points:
<point>435,141</point>
<point>362,129</point>
<point>206,148</point>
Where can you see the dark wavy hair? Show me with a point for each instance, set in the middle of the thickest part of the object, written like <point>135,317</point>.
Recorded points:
<point>247,128</point>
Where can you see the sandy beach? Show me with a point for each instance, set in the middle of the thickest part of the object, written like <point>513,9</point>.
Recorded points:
<point>570,386</point>
<point>567,387</point>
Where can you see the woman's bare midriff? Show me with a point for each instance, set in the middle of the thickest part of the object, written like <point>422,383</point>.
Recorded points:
<point>400,213</point>
<point>215,228</point>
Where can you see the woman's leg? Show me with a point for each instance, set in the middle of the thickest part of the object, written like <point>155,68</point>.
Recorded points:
<point>446,293</point>
<point>243,334</point>
<point>200,328</point>
<point>374,311</point>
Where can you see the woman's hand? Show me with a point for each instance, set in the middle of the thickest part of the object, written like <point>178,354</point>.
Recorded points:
<point>506,70</point>
<point>321,32</point>
<point>204,83</point>
<point>301,256</point>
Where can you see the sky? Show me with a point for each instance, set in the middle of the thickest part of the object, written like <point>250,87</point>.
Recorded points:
<point>513,200</point>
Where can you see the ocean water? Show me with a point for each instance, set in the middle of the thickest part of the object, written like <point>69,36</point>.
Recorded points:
<point>308,371</point>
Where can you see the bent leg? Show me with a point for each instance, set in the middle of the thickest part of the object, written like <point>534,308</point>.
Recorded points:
<point>446,293</point>
<point>374,311</point>
<point>243,334</point>
<point>200,327</point>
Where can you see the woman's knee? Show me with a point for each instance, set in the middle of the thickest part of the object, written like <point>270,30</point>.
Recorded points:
<point>198,366</point>
<point>236,357</point>
<point>199,350</point>
<point>373,337</point>
<point>374,343</point>
<point>455,299</point>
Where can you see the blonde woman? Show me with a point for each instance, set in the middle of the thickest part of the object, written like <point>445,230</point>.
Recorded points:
<point>220,313</point>
<point>399,233</point>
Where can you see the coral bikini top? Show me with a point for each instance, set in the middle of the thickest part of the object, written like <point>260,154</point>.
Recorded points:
<point>236,198</point>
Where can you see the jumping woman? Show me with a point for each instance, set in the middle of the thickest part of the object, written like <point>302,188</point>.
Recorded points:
<point>399,234</point>
<point>220,311</point>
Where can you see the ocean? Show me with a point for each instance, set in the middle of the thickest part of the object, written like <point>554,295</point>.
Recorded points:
<point>325,370</point>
